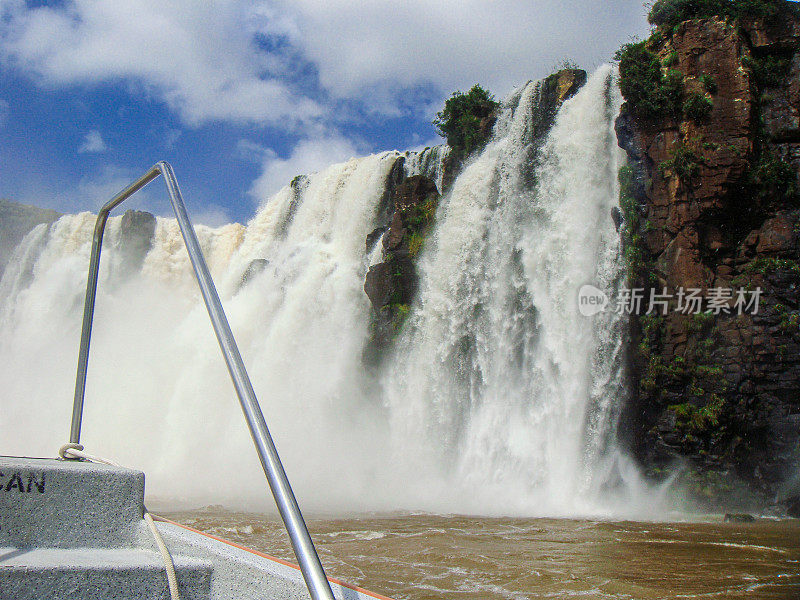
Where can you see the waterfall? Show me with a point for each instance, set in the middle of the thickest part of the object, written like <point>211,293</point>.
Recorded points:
<point>428,162</point>
<point>498,397</point>
<point>498,381</point>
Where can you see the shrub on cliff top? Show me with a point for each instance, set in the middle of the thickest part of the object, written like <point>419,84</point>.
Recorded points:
<point>463,120</point>
<point>673,12</point>
<point>648,92</point>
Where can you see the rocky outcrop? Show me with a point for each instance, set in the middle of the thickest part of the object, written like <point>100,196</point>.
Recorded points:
<point>136,233</point>
<point>392,283</point>
<point>454,161</point>
<point>711,203</point>
<point>16,221</point>
<point>553,91</point>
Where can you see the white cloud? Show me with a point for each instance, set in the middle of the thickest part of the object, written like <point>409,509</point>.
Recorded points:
<point>202,59</point>
<point>93,142</point>
<point>198,57</point>
<point>252,151</point>
<point>455,43</point>
<point>307,157</point>
<point>171,137</point>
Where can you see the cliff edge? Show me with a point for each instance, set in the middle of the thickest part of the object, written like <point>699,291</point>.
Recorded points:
<point>711,126</point>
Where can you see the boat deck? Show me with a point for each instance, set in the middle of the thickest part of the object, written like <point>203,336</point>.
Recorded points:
<point>74,530</point>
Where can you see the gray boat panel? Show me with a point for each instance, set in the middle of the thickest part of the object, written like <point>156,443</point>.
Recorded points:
<point>73,530</point>
<point>97,574</point>
<point>63,504</point>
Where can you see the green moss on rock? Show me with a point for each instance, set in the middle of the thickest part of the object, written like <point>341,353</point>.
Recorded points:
<point>697,107</point>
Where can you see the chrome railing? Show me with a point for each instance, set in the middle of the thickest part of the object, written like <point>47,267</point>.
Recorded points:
<point>307,556</point>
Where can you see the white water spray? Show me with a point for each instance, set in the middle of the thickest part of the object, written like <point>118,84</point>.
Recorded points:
<point>499,398</point>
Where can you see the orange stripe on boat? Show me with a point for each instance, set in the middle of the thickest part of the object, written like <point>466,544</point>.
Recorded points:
<point>268,557</point>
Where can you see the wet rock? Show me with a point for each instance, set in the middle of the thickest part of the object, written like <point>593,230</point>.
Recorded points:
<point>16,221</point>
<point>396,234</point>
<point>378,284</point>
<point>136,233</point>
<point>392,284</point>
<point>555,90</point>
<point>413,192</point>
<point>256,266</point>
<point>616,216</point>
<point>373,237</point>
<point>739,518</point>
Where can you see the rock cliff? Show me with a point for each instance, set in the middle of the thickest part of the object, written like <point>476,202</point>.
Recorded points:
<point>710,203</point>
<point>16,221</point>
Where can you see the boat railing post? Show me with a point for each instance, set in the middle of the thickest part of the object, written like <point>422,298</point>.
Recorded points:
<point>307,557</point>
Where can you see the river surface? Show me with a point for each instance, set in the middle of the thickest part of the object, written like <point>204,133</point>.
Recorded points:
<point>432,557</point>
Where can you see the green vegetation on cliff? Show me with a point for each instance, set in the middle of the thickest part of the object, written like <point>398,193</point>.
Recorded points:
<point>466,120</point>
<point>769,70</point>
<point>637,262</point>
<point>653,88</point>
<point>697,107</point>
<point>669,13</point>
<point>772,179</point>
<point>683,161</point>
<point>649,93</point>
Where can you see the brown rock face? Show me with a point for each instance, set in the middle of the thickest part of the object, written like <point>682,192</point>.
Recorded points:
<point>717,211</point>
<point>775,34</point>
<point>392,284</point>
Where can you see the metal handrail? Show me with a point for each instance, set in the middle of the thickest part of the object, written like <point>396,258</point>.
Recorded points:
<point>307,556</point>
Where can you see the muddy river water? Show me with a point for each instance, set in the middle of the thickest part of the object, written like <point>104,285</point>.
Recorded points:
<point>432,557</point>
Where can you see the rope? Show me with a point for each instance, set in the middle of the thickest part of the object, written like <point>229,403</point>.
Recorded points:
<point>75,452</point>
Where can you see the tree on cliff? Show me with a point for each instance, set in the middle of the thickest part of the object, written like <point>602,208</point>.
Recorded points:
<point>467,119</point>
<point>672,12</point>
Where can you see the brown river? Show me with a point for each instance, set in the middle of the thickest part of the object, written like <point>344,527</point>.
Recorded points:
<point>431,557</point>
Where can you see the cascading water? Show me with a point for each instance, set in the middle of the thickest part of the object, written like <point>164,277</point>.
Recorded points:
<point>428,162</point>
<point>513,393</point>
<point>498,397</point>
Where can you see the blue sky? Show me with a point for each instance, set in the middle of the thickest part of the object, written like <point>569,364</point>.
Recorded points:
<point>240,96</point>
